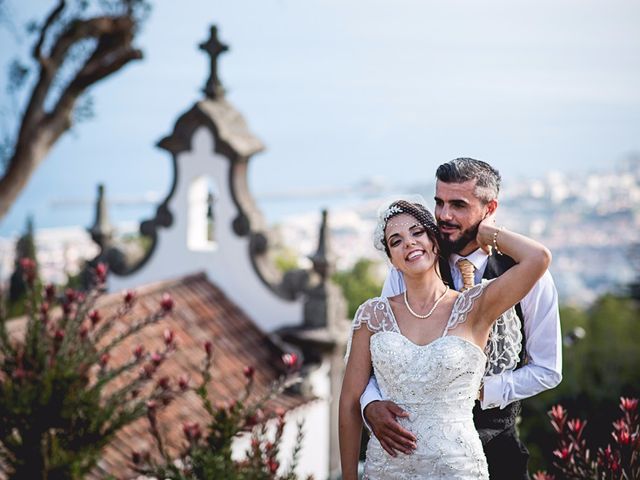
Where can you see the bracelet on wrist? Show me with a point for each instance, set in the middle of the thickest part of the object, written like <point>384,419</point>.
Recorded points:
<point>495,241</point>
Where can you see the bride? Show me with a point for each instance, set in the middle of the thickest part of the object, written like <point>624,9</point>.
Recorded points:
<point>426,348</point>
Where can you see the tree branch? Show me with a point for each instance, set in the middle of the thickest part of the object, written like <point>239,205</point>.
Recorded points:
<point>39,130</point>
<point>53,16</point>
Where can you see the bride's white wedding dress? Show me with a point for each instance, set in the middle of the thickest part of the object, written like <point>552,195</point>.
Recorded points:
<point>437,384</point>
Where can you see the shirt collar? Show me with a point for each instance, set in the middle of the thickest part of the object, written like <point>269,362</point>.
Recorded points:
<point>478,257</point>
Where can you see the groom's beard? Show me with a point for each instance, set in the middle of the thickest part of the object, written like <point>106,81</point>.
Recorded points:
<point>455,246</point>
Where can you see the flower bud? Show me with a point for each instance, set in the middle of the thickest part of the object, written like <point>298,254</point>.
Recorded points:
<point>628,404</point>
<point>83,332</point>
<point>166,302</point>
<point>157,359</point>
<point>49,292</point>
<point>95,317</point>
<point>183,382</point>
<point>208,347</point>
<point>168,336</point>
<point>249,371</point>
<point>128,297</point>
<point>138,352</point>
<point>104,359</point>
<point>290,360</point>
<point>70,295</point>
<point>101,272</point>
<point>163,383</point>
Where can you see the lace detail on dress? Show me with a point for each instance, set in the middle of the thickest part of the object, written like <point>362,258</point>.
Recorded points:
<point>376,314</point>
<point>505,343</point>
<point>463,305</point>
<point>505,339</point>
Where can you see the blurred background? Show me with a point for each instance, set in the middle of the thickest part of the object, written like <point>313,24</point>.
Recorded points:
<point>359,100</point>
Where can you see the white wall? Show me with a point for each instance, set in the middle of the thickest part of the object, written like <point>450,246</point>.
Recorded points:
<point>228,263</point>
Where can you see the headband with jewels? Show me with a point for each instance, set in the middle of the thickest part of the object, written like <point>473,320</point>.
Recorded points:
<point>390,209</point>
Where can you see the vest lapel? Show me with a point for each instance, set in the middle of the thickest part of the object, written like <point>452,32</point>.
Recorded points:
<point>446,273</point>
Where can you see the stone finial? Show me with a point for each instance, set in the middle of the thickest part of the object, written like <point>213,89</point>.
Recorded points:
<point>320,259</point>
<point>214,48</point>
<point>101,231</point>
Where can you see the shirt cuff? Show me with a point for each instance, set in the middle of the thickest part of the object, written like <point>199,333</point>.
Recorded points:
<point>369,395</point>
<point>492,392</point>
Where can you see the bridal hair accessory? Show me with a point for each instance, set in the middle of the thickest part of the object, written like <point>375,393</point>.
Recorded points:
<point>414,205</point>
<point>430,312</point>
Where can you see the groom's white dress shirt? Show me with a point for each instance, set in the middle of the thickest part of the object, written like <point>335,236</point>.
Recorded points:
<point>543,367</point>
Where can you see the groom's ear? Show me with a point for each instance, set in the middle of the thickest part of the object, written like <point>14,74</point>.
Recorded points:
<point>492,206</point>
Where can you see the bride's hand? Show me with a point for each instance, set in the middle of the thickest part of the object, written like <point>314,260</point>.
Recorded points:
<point>486,229</point>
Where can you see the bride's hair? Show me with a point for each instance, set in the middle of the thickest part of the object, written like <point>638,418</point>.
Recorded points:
<point>417,211</point>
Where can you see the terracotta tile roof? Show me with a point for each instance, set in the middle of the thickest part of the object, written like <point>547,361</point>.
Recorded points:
<point>202,312</point>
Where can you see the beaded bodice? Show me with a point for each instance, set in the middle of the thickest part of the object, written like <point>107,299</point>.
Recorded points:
<point>437,384</point>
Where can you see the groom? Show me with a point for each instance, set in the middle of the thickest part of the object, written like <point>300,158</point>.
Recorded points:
<point>466,192</point>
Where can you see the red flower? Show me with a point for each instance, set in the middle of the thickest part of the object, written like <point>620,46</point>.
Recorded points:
<point>563,453</point>
<point>558,417</point>
<point>95,317</point>
<point>49,291</point>
<point>128,297</point>
<point>249,371</point>
<point>70,295</point>
<point>163,383</point>
<point>157,359</point>
<point>183,382</point>
<point>138,352</point>
<point>101,272</point>
<point>84,330</point>
<point>104,359</point>
<point>290,359</point>
<point>152,405</point>
<point>623,437</point>
<point>166,302</point>
<point>542,475</point>
<point>272,465</point>
<point>576,426</point>
<point>628,404</point>
<point>191,430</point>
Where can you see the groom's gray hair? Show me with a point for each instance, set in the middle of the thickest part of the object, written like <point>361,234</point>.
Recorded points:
<point>460,170</point>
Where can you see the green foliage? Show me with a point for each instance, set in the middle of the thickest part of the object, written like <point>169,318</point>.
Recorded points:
<point>358,284</point>
<point>58,405</point>
<point>207,454</point>
<point>597,370</point>
<point>285,259</point>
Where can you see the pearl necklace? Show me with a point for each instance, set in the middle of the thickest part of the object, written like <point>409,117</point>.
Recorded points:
<point>428,314</point>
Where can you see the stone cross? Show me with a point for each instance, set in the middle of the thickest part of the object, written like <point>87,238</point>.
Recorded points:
<point>214,47</point>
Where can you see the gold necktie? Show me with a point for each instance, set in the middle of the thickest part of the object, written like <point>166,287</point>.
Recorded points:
<point>468,273</point>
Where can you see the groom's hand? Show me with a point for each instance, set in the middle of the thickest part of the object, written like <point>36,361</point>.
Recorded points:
<point>381,416</point>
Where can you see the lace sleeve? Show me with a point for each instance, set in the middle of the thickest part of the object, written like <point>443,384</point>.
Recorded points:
<point>376,314</point>
<point>463,305</point>
<point>505,343</point>
<point>505,339</point>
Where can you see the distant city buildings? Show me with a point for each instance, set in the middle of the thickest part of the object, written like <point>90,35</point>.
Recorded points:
<point>590,221</point>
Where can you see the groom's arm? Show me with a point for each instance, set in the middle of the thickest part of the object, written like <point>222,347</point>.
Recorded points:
<point>543,340</point>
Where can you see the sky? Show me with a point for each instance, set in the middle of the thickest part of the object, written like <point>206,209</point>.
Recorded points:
<point>343,91</point>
